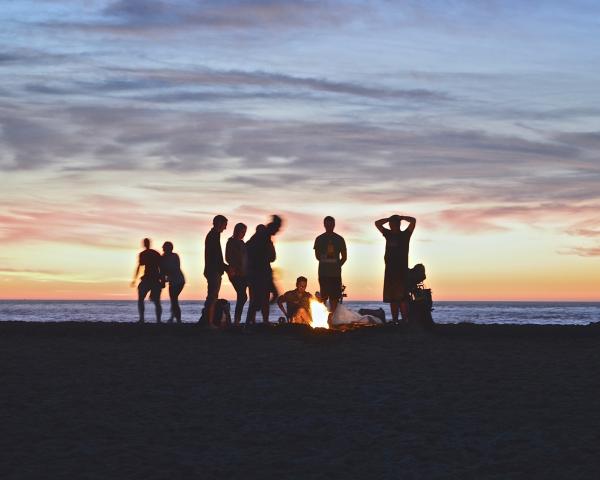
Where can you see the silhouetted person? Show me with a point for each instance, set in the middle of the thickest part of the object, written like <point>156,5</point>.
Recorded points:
<point>396,262</point>
<point>151,281</point>
<point>171,269</point>
<point>237,258</point>
<point>297,309</point>
<point>214,266</point>
<point>261,252</point>
<point>330,251</point>
<point>274,293</point>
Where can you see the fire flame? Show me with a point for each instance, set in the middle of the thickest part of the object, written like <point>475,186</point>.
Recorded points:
<point>319,314</point>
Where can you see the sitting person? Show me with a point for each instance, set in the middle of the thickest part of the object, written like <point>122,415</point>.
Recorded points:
<point>297,309</point>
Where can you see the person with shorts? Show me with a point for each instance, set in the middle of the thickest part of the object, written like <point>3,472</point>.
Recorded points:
<point>171,270</point>
<point>214,266</point>
<point>261,253</point>
<point>330,251</point>
<point>297,303</point>
<point>396,262</point>
<point>151,281</point>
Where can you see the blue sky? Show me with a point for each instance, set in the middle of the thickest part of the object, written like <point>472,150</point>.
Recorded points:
<point>479,117</point>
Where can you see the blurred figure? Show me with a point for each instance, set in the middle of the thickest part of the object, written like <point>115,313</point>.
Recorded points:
<point>214,266</point>
<point>151,281</point>
<point>261,253</point>
<point>171,270</point>
<point>297,309</point>
<point>237,258</point>
<point>330,251</point>
<point>396,262</point>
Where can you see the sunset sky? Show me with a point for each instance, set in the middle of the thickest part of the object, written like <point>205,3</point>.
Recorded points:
<point>126,119</point>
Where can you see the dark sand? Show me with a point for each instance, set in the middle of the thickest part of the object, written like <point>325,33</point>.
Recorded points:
<point>146,402</point>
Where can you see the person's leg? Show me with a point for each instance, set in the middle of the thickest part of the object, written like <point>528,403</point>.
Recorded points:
<point>251,313</point>
<point>263,298</point>
<point>142,292</point>
<point>171,301</point>
<point>155,297</point>
<point>335,292</point>
<point>174,291</point>
<point>404,310</point>
<point>273,293</point>
<point>394,310</point>
<point>265,307</point>
<point>214,285</point>
<point>323,290</point>
<point>239,283</point>
<point>302,316</point>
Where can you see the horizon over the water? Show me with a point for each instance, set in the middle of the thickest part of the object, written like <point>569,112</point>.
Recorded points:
<point>479,312</point>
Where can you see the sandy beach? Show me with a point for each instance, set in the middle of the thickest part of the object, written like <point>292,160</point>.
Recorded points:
<point>157,401</point>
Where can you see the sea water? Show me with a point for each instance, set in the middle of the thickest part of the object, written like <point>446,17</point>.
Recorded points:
<point>558,313</point>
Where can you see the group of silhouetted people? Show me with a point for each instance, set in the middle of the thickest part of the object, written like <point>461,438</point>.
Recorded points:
<point>159,270</point>
<point>248,266</point>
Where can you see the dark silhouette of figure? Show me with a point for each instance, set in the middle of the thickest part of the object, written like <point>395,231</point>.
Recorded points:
<point>396,262</point>
<point>171,270</point>
<point>297,309</point>
<point>261,253</point>
<point>214,266</point>
<point>330,251</point>
<point>237,258</point>
<point>151,281</point>
<point>274,293</point>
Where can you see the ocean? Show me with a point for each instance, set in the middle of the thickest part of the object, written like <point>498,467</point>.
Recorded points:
<point>557,313</point>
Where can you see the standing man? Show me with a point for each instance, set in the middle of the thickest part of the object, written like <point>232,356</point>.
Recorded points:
<point>261,253</point>
<point>396,262</point>
<point>214,266</point>
<point>152,280</point>
<point>330,251</point>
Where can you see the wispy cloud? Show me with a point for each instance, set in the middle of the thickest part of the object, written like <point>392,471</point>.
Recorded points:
<point>145,16</point>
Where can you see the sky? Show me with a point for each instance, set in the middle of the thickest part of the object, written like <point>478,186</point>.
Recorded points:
<point>121,120</point>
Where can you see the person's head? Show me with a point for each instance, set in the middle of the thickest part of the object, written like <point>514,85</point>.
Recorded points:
<point>146,243</point>
<point>394,222</point>
<point>274,225</point>
<point>239,231</point>
<point>220,223</point>
<point>329,224</point>
<point>167,247</point>
<point>301,283</point>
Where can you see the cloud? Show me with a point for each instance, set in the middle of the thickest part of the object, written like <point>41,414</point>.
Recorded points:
<point>209,85</point>
<point>583,251</point>
<point>145,16</point>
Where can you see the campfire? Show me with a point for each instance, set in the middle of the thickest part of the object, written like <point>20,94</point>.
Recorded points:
<point>320,314</point>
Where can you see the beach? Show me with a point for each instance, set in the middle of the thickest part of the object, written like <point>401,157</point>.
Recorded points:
<point>105,400</point>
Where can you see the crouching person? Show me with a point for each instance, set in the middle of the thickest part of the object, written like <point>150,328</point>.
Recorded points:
<point>297,303</point>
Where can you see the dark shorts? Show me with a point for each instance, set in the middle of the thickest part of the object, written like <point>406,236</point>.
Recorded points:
<point>175,289</point>
<point>331,287</point>
<point>214,286</point>
<point>152,286</point>
<point>393,284</point>
<point>260,288</point>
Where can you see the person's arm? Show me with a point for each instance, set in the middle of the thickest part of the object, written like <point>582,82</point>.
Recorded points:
<point>135,275</point>
<point>232,257</point>
<point>344,253</point>
<point>412,222</point>
<point>380,225</point>
<point>316,249</point>
<point>272,253</point>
